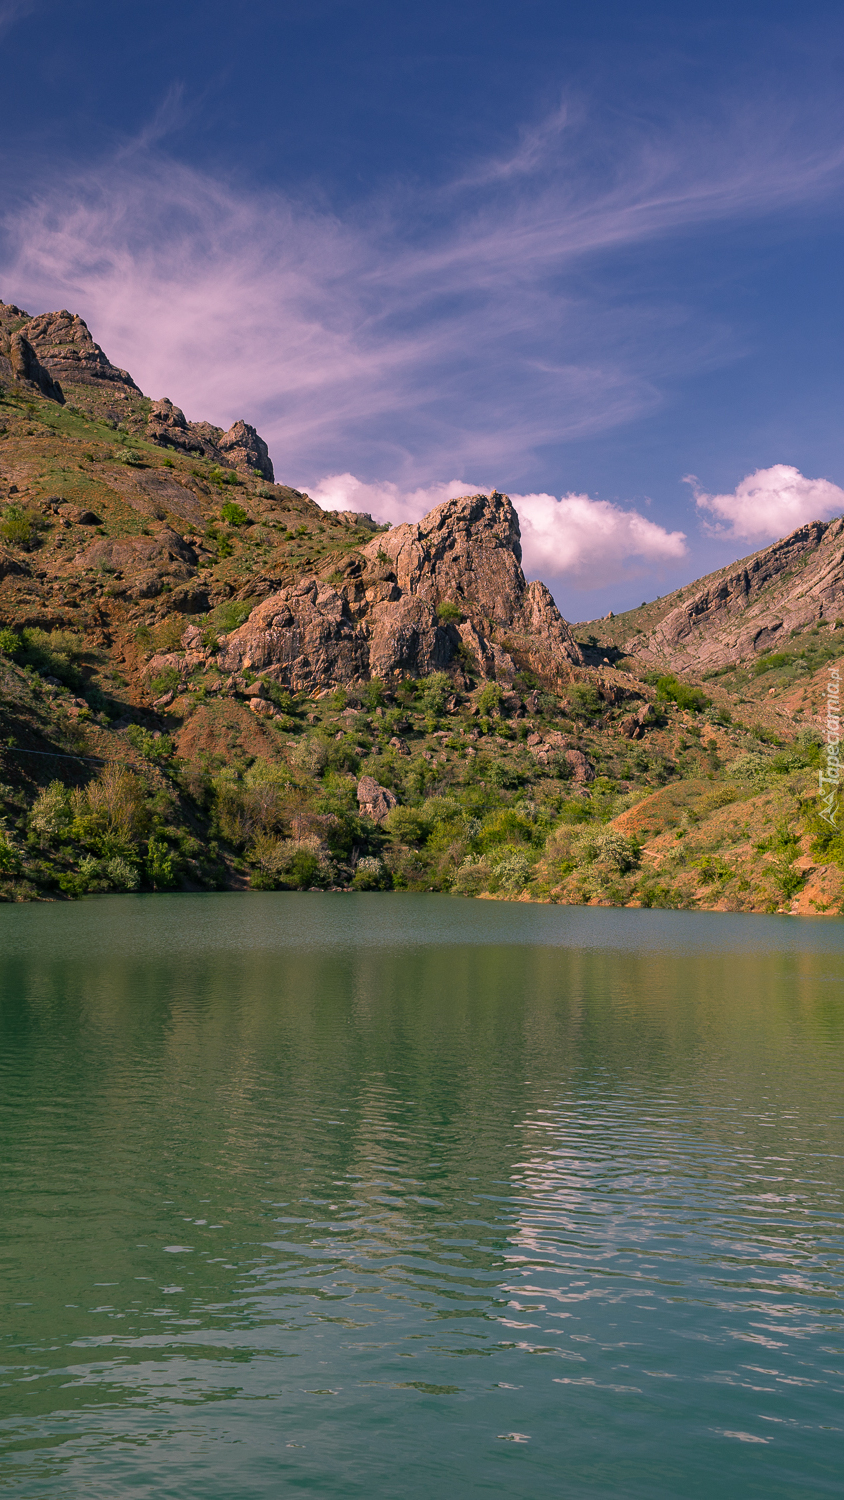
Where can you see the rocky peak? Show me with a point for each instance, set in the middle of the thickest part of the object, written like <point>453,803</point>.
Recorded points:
<point>467,549</point>
<point>64,345</point>
<point>415,600</point>
<point>239,448</point>
<point>243,448</point>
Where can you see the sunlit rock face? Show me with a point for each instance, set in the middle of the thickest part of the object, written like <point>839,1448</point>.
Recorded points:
<point>414,600</point>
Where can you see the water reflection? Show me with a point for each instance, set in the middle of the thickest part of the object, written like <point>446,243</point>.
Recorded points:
<point>380,1218</point>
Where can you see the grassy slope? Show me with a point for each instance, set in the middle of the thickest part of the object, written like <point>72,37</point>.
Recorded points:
<point>205,793</point>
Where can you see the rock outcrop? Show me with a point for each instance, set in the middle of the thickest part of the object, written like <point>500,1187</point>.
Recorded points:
<point>240,448</point>
<point>375,801</point>
<point>140,567</point>
<point>751,606</point>
<point>64,345</point>
<point>414,600</point>
<point>245,450</point>
<point>27,369</point>
<point>168,426</point>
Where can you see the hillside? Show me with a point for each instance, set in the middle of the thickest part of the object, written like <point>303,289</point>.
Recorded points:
<point>206,680</point>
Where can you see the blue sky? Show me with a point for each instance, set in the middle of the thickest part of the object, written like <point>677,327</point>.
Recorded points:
<point>588,253</point>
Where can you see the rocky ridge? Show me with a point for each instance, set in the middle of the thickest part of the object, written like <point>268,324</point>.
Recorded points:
<point>207,680</point>
<point>744,610</point>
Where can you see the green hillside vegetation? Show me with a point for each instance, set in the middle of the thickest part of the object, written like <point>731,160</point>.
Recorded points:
<point>115,780</point>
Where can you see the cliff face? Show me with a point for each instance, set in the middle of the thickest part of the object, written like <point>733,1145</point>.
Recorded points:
<point>750,607</point>
<point>417,599</point>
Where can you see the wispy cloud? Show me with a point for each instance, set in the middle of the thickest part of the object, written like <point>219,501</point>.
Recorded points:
<point>768,504</point>
<point>438,330</point>
<point>577,541</point>
<point>12,11</point>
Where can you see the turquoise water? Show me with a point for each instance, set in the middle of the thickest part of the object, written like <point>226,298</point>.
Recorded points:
<point>403,1196</point>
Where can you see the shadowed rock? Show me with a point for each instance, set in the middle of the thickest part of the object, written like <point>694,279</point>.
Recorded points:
<point>28,370</point>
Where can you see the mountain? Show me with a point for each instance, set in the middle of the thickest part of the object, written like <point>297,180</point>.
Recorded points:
<point>206,680</point>
<point>745,610</point>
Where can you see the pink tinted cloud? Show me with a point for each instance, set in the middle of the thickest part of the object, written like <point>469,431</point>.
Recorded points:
<point>581,542</point>
<point>769,504</point>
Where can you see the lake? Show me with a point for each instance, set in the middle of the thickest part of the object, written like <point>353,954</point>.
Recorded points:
<point>403,1195</point>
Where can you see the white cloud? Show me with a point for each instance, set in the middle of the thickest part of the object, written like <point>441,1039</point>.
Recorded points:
<point>769,504</point>
<point>582,542</point>
<point>591,543</point>
<point>385,501</point>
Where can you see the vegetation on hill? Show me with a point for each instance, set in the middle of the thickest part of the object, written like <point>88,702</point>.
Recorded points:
<point>131,759</point>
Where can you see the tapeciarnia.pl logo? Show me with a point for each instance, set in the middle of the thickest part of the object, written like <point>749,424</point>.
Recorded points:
<point>829,776</point>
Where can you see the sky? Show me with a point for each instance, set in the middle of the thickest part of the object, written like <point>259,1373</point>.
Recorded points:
<point>589,254</point>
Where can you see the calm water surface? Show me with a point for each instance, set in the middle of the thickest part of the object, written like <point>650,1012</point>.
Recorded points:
<point>404,1196</point>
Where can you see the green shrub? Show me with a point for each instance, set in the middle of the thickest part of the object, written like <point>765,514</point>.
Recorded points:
<point>658,894</point>
<point>153,747</point>
<point>20,528</point>
<point>489,698</point>
<point>448,613</point>
<point>584,702</point>
<point>513,871</point>
<point>234,514</point>
<point>159,865</point>
<point>289,864</point>
<point>278,695</point>
<point>609,847</point>
<point>50,816</point>
<point>10,641</point>
<point>165,681</point>
<point>670,689</point>
<point>51,653</point>
<point>505,827</point>
<point>311,755</point>
<point>371,874</point>
<point>9,857</point>
<point>434,692</point>
<point>752,767</point>
<point>770,663</point>
<point>121,874</point>
<point>231,615</point>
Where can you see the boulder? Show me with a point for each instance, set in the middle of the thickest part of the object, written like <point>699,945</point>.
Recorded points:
<point>262,707</point>
<point>582,769</point>
<point>375,801</point>
<point>81,516</point>
<point>10,565</point>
